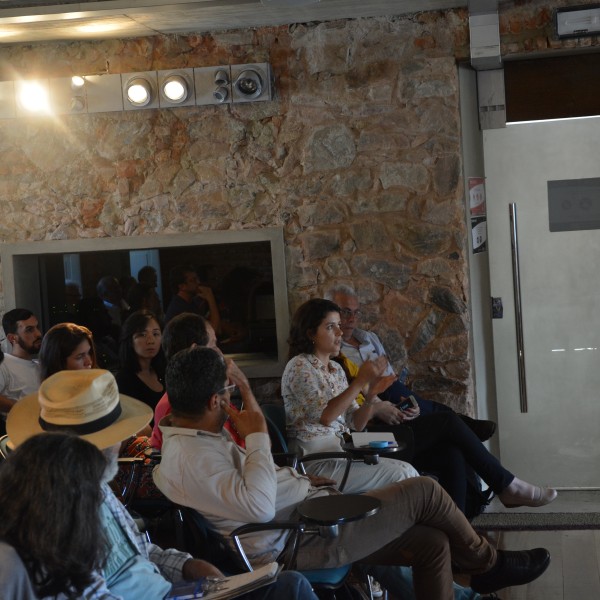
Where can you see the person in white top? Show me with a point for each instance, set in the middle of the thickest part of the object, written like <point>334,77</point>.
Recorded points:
<point>20,372</point>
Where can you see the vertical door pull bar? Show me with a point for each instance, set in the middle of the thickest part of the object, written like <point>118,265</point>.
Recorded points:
<point>514,246</point>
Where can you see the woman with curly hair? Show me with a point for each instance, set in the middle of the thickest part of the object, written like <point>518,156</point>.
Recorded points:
<point>321,405</point>
<point>51,537</point>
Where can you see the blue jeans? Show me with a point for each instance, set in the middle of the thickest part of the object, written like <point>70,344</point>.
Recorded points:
<point>290,585</point>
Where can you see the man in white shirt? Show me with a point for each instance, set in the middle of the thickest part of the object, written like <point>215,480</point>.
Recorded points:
<point>19,372</point>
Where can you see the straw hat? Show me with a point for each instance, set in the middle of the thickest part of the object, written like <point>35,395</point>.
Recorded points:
<point>86,402</point>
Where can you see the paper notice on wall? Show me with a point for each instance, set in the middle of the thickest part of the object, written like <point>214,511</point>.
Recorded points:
<point>479,234</point>
<point>477,196</point>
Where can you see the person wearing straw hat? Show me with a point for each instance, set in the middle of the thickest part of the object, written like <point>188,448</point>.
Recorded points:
<point>88,403</point>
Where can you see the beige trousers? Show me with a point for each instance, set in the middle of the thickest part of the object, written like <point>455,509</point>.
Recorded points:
<point>418,525</point>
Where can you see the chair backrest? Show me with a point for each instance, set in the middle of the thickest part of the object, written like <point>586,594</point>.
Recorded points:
<point>5,449</point>
<point>275,417</point>
<point>203,541</point>
<point>185,529</point>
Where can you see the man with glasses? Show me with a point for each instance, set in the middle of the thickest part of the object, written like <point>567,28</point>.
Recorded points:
<point>359,345</point>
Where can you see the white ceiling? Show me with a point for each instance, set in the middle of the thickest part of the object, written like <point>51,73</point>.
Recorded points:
<point>68,20</point>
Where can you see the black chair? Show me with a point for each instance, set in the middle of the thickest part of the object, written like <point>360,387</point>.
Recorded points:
<point>187,530</point>
<point>275,418</point>
<point>276,425</point>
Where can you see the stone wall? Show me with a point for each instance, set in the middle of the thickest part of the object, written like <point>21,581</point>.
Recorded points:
<point>358,159</point>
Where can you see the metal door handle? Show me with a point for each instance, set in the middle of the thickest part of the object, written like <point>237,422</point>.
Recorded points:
<point>514,247</point>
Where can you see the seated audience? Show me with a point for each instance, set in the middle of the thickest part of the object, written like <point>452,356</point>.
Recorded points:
<point>51,538</point>
<point>360,345</point>
<point>320,406</point>
<point>142,369</point>
<point>134,567</point>
<point>417,524</point>
<point>442,440</point>
<point>187,330</point>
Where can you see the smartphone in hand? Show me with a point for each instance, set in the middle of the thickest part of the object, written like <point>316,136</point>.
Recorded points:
<point>407,403</point>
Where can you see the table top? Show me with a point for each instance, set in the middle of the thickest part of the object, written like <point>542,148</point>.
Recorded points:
<point>338,508</point>
<point>367,450</point>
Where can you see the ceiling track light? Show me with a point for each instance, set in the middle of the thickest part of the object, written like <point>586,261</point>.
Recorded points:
<point>174,88</point>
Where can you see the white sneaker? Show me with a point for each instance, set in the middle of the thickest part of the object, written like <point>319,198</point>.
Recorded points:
<point>376,590</point>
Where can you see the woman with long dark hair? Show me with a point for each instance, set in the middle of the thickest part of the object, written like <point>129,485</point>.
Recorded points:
<point>142,358</point>
<point>320,405</point>
<point>50,499</point>
<point>66,347</point>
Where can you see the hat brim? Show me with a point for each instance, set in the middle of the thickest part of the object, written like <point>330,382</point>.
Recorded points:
<point>23,422</point>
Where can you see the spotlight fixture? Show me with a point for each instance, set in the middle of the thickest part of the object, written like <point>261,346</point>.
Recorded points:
<point>32,97</point>
<point>212,85</point>
<point>251,83</point>
<point>221,77</point>
<point>139,90</point>
<point>176,88</point>
<point>77,83</point>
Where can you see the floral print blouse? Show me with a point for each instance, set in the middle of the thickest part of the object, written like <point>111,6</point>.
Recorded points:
<point>307,386</point>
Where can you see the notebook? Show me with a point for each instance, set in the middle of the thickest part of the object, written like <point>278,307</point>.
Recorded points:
<point>231,587</point>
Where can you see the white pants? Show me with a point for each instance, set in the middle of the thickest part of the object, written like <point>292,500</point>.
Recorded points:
<point>362,477</point>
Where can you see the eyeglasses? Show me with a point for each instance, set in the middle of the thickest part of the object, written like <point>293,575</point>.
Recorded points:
<point>227,388</point>
<point>347,313</point>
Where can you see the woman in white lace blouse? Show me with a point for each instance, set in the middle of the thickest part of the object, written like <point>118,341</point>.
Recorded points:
<point>320,405</point>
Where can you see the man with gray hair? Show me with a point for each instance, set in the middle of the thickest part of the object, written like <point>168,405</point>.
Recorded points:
<point>360,345</point>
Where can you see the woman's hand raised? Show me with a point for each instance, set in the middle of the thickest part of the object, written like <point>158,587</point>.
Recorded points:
<point>371,370</point>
